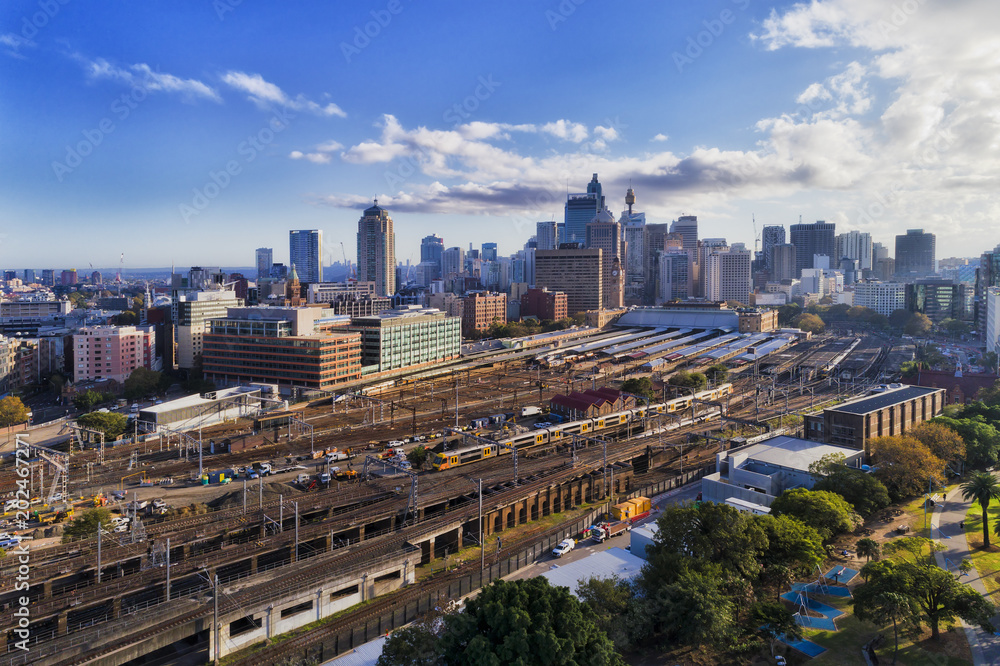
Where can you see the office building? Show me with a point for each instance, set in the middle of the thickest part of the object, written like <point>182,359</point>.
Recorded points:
<point>706,247</point>
<point>280,345</point>
<point>915,257</point>
<point>407,336</point>
<point>675,280</point>
<point>67,279</point>
<point>544,304</point>
<point>265,258</point>
<point>654,241</point>
<point>103,353</point>
<point>547,235</point>
<point>48,277</point>
<point>431,249</point>
<point>481,310</point>
<point>574,271</point>
<point>727,276</point>
<point>191,312</point>
<point>855,245</point>
<point>305,252</point>
<point>452,262</point>
<point>937,298</point>
<point>581,209</point>
<point>810,240</point>
<point>992,326</point>
<point>687,227</point>
<point>29,276</point>
<point>489,252</point>
<point>770,237</point>
<point>605,233</point>
<point>882,297</point>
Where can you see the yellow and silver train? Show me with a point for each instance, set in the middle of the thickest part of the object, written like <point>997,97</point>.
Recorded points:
<point>624,421</point>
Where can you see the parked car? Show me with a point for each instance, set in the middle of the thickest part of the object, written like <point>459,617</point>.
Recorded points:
<point>565,546</point>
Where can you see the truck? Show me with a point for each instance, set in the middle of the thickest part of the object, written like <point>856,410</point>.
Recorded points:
<point>333,455</point>
<point>531,411</point>
<point>564,546</point>
<point>262,468</point>
<point>603,531</point>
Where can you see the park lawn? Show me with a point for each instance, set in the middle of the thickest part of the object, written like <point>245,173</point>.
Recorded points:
<point>913,513</point>
<point>987,562</point>
<point>844,646</point>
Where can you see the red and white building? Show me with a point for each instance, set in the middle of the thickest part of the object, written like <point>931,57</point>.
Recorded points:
<point>113,352</point>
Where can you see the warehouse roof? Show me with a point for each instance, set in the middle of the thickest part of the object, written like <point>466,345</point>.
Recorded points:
<point>882,400</point>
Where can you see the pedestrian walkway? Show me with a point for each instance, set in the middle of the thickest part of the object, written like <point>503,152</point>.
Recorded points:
<point>945,529</point>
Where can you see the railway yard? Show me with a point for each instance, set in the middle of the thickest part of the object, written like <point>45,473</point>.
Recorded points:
<point>218,567</point>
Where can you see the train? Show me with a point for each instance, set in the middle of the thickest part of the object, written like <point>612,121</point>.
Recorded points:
<point>608,424</point>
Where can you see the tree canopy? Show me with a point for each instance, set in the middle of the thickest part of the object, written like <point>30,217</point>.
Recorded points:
<point>861,490</point>
<point>112,424</point>
<point>85,526</point>
<point>905,465</point>
<point>809,322</point>
<point>942,441</point>
<point>980,436</point>
<point>717,373</point>
<point>141,383</point>
<point>12,411</point>
<point>827,512</point>
<point>695,380</point>
<point>87,400</point>
<point>918,324</point>
<point>641,386</point>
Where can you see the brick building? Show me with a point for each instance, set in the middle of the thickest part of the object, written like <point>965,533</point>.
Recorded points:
<point>894,411</point>
<point>482,309</point>
<point>544,304</point>
<point>591,403</point>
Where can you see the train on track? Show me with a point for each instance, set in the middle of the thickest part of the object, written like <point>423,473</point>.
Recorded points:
<point>627,422</point>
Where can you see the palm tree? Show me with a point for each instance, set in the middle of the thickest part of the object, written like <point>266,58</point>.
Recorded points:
<point>982,488</point>
<point>869,549</point>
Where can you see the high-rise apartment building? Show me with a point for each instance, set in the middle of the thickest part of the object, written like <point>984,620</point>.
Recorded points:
<point>604,233</point>
<point>581,209</point>
<point>855,245</point>
<point>29,276</point>
<point>191,312</point>
<point>783,262</point>
<point>882,297</point>
<point>113,352</point>
<point>915,256</point>
<point>810,240</point>
<point>726,275</point>
<point>992,319</point>
<point>547,235</point>
<point>675,276</point>
<point>576,272</point>
<point>377,249</point>
<point>68,278</point>
<point>305,252</point>
<point>265,258</point>
<point>431,248</point>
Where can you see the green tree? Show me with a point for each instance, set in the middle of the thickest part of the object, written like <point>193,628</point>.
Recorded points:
<point>85,526</point>
<point>869,549</point>
<point>126,318</point>
<point>77,300</point>
<point>694,380</point>
<point>524,622</point>
<point>982,488</point>
<point>809,322</point>
<point>12,411</point>
<point>877,603</point>
<point>918,325</point>
<point>944,442</point>
<point>905,465</point>
<point>87,400</point>
<point>791,543</point>
<point>618,610</point>
<point>788,313</point>
<point>898,318</point>
<point>415,645</point>
<point>717,374</point>
<point>939,596</point>
<point>990,396</point>
<point>695,609</point>
<point>774,621</point>
<point>141,383</point>
<point>828,512</point>
<point>861,490</point>
<point>981,438</point>
<point>417,456</point>
<point>640,386</point>
<point>112,424</point>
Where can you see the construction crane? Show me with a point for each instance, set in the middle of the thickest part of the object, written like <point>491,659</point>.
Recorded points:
<point>756,236</point>
<point>348,271</point>
<point>118,277</point>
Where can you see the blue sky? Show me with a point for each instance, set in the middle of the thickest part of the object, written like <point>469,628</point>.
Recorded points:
<point>194,132</point>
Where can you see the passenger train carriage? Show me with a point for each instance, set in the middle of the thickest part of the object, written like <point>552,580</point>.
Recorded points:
<point>623,422</point>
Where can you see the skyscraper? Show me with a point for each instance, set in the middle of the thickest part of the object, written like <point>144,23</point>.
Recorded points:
<point>687,227</point>
<point>915,254</point>
<point>452,262</point>
<point>604,233</point>
<point>305,253</point>
<point>431,248</point>
<point>769,237</point>
<point>727,275</point>
<point>810,240</point>
<point>489,251</point>
<point>265,257</point>
<point>377,250</point>
<point>547,235</point>
<point>783,262</point>
<point>581,209</point>
<point>855,245</point>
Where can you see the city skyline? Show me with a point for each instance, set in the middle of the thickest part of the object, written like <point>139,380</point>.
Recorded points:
<point>873,118</point>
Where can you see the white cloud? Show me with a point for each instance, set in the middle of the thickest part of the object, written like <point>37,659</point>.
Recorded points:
<point>142,75</point>
<point>566,130</point>
<point>315,158</point>
<point>14,44</point>
<point>266,94</point>
<point>607,133</point>
<point>660,137</point>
